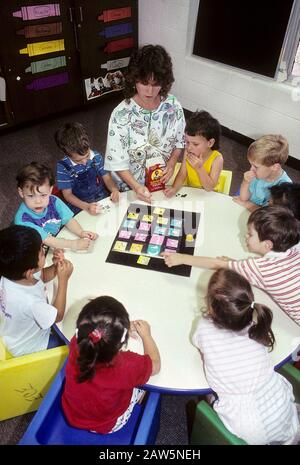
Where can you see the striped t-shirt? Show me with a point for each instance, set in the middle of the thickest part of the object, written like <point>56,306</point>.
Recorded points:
<point>278,273</point>
<point>254,402</point>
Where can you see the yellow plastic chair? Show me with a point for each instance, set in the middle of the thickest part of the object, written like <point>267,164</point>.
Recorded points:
<point>25,380</point>
<point>223,185</point>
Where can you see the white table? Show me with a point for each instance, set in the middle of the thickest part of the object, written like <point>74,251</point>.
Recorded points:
<point>170,303</point>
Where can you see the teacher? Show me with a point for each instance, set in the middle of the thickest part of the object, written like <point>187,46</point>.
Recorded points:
<point>148,126</point>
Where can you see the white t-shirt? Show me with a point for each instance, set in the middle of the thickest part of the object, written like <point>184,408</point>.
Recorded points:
<point>255,403</point>
<point>25,317</point>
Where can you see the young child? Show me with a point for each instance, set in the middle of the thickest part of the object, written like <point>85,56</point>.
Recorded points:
<point>100,390</point>
<point>273,233</point>
<point>25,316</point>
<point>287,194</point>
<point>80,174</point>
<point>266,156</point>
<point>254,402</point>
<point>202,163</point>
<point>45,212</point>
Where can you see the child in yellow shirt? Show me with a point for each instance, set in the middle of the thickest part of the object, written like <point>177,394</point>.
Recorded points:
<point>202,162</point>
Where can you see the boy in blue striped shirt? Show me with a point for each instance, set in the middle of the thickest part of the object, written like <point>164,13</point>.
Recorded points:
<point>80,175</point>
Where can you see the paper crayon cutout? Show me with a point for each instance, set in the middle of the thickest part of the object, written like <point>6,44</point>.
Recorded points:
<point>116,64</point>
<point>44,65</point>
<point>143,260</point>
<point>125,234</point>
<point>118,45</point>
<point>49,81</point>
<point>40,48</point>
<point>37,11</point>
<point>117,30</point>
<point>40,30</point>
<point>136,248</point>
<point>115,14</point>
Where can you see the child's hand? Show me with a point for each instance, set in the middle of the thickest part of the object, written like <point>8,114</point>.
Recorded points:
<point>64,269</point>
<point>239,201</point>
<point>195,162</point>
<point>114,196</point>
<point>172,259</point>
<point>169,192</point>
<point>142,193</point>
<point>94,208</point>
<point>141,327</point>
<point>168,171</point>
<point>249,176</point>
<point>81,244</point>
<point>89,235</point>
<point>58,255</point>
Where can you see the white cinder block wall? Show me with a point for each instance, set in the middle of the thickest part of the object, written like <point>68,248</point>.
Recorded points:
<point>243,102</point>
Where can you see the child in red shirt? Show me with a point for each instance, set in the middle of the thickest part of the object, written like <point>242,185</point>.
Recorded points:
<point>100,392</point>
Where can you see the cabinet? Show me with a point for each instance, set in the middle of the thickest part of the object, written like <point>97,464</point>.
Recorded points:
<point>62,55</point>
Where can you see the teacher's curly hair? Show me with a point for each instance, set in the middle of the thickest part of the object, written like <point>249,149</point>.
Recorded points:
<point>149,62</point>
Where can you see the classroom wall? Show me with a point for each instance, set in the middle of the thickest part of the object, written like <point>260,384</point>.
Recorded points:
<point>244,102</point>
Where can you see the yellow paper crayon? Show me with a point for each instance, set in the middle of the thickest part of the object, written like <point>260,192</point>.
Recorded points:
<point>40,48</point>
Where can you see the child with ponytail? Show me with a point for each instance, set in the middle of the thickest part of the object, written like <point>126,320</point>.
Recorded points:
<point>100,390</point>
<point>234,336</point>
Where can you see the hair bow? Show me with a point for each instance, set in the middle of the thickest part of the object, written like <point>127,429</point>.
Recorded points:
<point>95,335</point>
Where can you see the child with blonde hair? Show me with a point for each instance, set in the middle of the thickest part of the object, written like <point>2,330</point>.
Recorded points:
<point>202,162</point>
<point>253,401</point>
<point>266,156</point>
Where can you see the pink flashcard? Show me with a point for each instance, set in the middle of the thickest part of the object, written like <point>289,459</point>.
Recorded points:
<point>156,239</point>
<point>145,226</point>
<point>140,237</point>
<point>170,250</point>
<point>125,234</point>
<point>172,243</point>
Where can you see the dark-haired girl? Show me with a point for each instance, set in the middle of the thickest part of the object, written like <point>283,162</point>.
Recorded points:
<point>253,401</point>
<point>101,378</point>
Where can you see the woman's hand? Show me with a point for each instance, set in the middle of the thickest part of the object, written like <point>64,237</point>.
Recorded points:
<point>142,193</point>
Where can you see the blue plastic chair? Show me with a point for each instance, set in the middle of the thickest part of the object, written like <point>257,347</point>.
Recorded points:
<point>50,427</point>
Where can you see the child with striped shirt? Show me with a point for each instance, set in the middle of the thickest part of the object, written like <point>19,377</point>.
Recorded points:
<point>80,175</point>
<point>273,233</point>
<point>254,402</point>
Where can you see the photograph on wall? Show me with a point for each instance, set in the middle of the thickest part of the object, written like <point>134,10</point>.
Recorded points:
<point>97,86</point>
